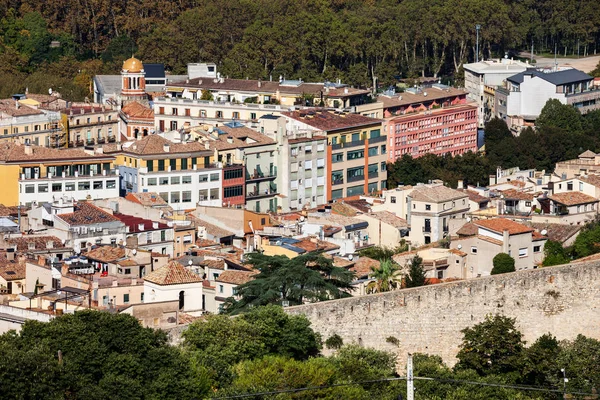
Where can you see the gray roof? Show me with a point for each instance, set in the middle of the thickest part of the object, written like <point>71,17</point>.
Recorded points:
<point>556,78</point>
<point>111,84</point>
<point>436,194</point>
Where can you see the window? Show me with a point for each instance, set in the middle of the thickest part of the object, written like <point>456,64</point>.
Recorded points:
<point>355,137</point>
<point>569,185</point>
<point>355,174</point>
<point>142,297</point>
<point>308,148</point>
<point>427,239</point>
<point>354,155</point>
<point>428,207</point>
<point>375,133</point>
<point>214,193</point>
<point>252,115</point>
<point>151,181</point>
<point>214,177</point>
<point>440,274</point>
<point>236,115</point>
<point>126,298</point>
<point>220,288</point>
<point>84,185</point>
<point>31,188</point>
<point>173,164</point>
<point>186,179</point>
<point>174,197</point>
<point>393,199</point>
<point>43,188</point>
<point>163,181</point>
<point>184,163</point>
<point>337,177</point>
<point>308,165</point>
<point>383,149</point>
<point>111,184</point>
<point>57,187</point>
<point>473,250</point>
<point>161,165</point>
<point>527,204</point>
<point>537,249</point>
<point>173,111</point>
<point>233,191</point>
<point>186,196</point>
<point>175,180</point>
<point>383,166</point>
<point>203,178</point>
<point>523,252</point>
<point>356,190</point>
<point>581,186</point>
<point>187,112</point>
<point>150,165</point>
<point>373,151</point>
<point>98,185</point>
<point>337,194</point>
<point>339,157</point>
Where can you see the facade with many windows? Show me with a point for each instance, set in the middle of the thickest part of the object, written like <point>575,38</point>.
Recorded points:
<point>90,124</point>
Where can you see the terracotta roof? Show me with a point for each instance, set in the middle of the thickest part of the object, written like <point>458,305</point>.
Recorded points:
<point>325,120</point>
<point>475,197</point>
<point>106,253</point>
<point>155,145</point>
<point>12,271</point>
<point>558,232</point>
<point>134,223</point>
<point>236,277</point>
<point>407,98</point>
<point>499,225</point>
<point>513,194</point>
<point>361,205</point>
<point>468,229</point>
<point>9,107</point>
<point>228,138</point>
<point>12,211</point>
<point>206,243</point>
<point>587,154</point>
<point>172,274</point>
<point>362,267</point>
<point>593,180</point>
<point>458,252</point>
<point>136,110</point>
<point>211,229</point>
<point>16,152</point>
<point>39,242</point>
<point>341,208</point>
<point>87,214</point>
<point>150,199</point>
<point>572,198</point>
<point>339,261</point>
<point>313,244</point>
<point>436,194</point>
<point>535,236</point>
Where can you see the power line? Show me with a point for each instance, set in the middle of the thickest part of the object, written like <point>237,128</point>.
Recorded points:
<point>423,378</point>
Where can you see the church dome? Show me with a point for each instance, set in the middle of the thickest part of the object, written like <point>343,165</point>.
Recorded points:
<point>133,65</point>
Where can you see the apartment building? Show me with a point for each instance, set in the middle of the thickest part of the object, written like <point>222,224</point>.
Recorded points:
<point>301,160</point>
<point>22,121</point>
<point>236,145</point>
<point>522,99</point>
<point>38,174</point>
<point>483,77</point>
<point>183,173</point>
<point>356,150</point>
<point>147,235</point>
<point>90,124</point>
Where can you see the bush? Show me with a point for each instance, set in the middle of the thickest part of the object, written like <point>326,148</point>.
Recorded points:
<point>503,263</point>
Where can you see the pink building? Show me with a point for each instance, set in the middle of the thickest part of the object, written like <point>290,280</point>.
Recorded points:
<point>451,129</point>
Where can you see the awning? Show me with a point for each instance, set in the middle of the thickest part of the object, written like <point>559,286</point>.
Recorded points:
<point>172,89</point>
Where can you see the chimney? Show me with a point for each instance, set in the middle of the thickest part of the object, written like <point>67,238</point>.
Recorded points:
<point>82,111</point>
<point>505,239</point>
<point>28,149</point>
<point>99,150</point>
<point>10,254</point>
<point>345,90</point>
<point>259,83</point>
<point>229,139</point>
<point>166,148</point>
<point>461,184</point>
<point>49,244</point>
<point>17,105</point>
<point>141,227</point>
<point>154,225</point>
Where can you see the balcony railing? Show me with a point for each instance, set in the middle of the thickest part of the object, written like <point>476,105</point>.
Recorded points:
<point>377,139</point>
<point>259,177</point>
<point>260,195</point>
<point>112,139</point>
<point>373,175</point>
<point>337,181</point>
<point>356,178</point>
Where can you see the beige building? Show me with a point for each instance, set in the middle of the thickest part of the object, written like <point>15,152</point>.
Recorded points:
<point>571,208</point>
<point>500,235</point>
<point>91,124</point>
<point>385,228</point>
<point>587,163</point>
<point>438,263</point>
<point>23,121</point>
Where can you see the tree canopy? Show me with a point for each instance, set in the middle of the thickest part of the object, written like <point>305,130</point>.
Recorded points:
<point>503,263</point>
<point>415,276</point>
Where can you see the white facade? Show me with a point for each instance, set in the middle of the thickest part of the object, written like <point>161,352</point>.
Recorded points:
<point>530,97</point>
<point>192,294</point>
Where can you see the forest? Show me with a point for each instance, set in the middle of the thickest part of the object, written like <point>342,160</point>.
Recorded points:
<point>64,43</point>
<point>100,355</point>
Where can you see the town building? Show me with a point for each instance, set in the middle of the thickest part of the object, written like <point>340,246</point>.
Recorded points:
<point>587,163</point>
<point>522,99</point>
<point>174,282</point>
<point>34,174</point>
<point>88,125</point>
<point>23,121</point>
<point>437,263</point>
<point>301,162</point>
<point>183,173</point>
<point>484,77</point>
<point>147,235</point>
<point>356,150</point>
<point>572,208</point>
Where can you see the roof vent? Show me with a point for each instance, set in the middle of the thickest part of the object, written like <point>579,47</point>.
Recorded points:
<point>166,148</point>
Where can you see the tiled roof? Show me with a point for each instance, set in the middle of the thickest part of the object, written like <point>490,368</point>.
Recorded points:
<point>150,199</point>
<point>557,232</point>
<point>313,244</point>
<point>362,267</point>
<point>233,138</point>
<point>325,120</point>
<point>341,208</point>
<point>572,198</point>
<point>87,214</point>
<point>106,253</point>
<point>12,271</point>
<point>390,219</point>
<point>475,197</point>
<point>361,205</point>
<point>513,194</point>
<point>211,229</point>
<point>136,110</point>
<point>490,240</point>
<point>499,225</point>
<point>406,98</point>
<point>468,229</point>
<point>206,243</point>
<point>12,211</point>
<point>436,194</point>
<point>40,242</point>
<point>9,107</point>
<point>593,180</point>
<point>155,145</point>
<point>236,277</point>
<point>587,154</point>
<point>339,261</point>
<point>538,236</point>
<point>16,152</point>
<point>172,274</point>
<point>458,252</point>
<point>133,223</point>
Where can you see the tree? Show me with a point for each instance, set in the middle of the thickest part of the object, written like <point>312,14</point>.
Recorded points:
<point>387,277</point>
<point>492,347</point>
<point>381,253</point>
<point>334,341</point>
<point>578,357</point>
<point>503,263</point>
<point>206,95</point>
<point>416,275</point>
<point>554,254</point>
<point>559,115</point>
<point>310,277</point>
<point>587,240</point>
<point>540,368</point>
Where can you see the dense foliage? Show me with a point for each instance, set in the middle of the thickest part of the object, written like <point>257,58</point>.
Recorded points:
<point>307,277</point>
<point>502,263</point>
<point>415,275</point>
<point>385,278</point>
<point>586,244</point>
<point>353,40</point>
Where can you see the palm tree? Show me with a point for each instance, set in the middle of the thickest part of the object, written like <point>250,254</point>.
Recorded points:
<point>387,277</point>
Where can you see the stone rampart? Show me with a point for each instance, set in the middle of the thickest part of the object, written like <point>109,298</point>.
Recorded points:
<point>563,300</point>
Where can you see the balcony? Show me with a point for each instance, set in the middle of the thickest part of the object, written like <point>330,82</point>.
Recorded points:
<point>356,178</point>
<point>373,175</point>
<point>261,195</point>
<point>112,139</point>
<point>378,139</point>
<point>258,176</point>
<point>427,229</point>
<point>90,142</point>
<point>101,140</point>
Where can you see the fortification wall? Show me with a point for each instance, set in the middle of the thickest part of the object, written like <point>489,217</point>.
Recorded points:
<point>564,301</point>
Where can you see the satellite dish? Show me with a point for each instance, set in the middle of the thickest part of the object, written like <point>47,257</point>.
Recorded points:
<point>459,246</point>
<point>190,262</point>
<point>302,218</point>
<point>350,257</point>
<point>468,219</point>
<point>544,232</point>
<point>134,252</point>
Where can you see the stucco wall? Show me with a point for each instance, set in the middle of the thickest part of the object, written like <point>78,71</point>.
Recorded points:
<point>561,300</point>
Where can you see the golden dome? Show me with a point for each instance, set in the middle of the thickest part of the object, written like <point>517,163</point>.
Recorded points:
<point>133,65</point>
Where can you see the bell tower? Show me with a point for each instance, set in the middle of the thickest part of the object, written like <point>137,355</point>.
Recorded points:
<point>133,82</point>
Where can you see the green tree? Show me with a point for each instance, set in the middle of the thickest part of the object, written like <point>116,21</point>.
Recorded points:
<point>492,347</point>
<point>580,358</point>
<point>310,277</point>
<point>416,275</point>
<point>587,240</point>
<point>554,254</point>
<point>381,253</point>
<point>540,367</point>
<point>385,278</point>
<point>503,263</point>
<point>206,95</point>
<point>558,115</point>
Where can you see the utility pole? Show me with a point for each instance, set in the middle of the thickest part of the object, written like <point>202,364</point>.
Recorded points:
<point>410,385</point>
<point>477,28</point>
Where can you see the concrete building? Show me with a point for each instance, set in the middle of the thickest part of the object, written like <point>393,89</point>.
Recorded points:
<point>226,286</point>
<point>174,282</point>
<point>500,235</point>
<point>301,164</point>
<point>521,101</point>
<point>573,208</point>
<point>587,163</point>
<point>147,234</point>
<point>437,263</point>
<point>484,77</point>
<point>356,151</point>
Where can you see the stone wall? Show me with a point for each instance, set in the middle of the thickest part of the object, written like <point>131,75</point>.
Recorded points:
<point>564,301</point>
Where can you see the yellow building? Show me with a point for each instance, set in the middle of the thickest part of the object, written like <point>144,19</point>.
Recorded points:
<point>23,121</point>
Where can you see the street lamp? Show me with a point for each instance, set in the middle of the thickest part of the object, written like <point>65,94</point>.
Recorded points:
<point>477,28</point>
